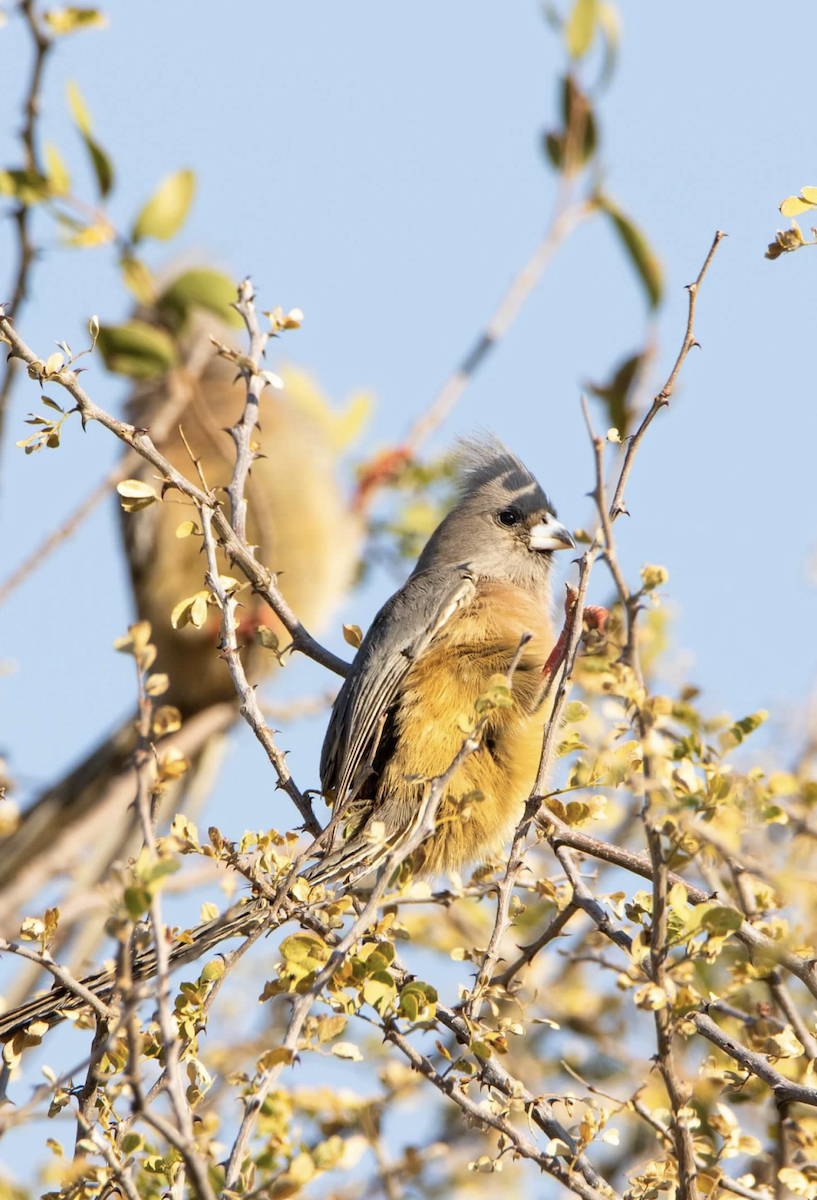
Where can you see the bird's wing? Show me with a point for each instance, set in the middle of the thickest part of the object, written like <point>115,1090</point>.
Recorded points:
<point>400,633</point>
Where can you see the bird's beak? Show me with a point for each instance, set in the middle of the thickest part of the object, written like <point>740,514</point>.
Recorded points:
<point>550,535</point>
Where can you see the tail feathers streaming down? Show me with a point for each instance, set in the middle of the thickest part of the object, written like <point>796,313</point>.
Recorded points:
<point>51,832</point>
<point>87,818</point>
<point>55,1005</point>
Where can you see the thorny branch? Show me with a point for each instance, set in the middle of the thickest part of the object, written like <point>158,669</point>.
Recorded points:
<point>26,251</point>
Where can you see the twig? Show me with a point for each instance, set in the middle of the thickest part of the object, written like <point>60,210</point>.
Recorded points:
<point>118,1169</point>
<point>250,709</point>
<point>785,1090</point>
<point>22,214</point>
<point>183,1138</point>
<point>584,899</point>
<point>482,1114</point>
<point>523,283</point>
<point>241,432</point>
<point>662,399</point>
<point>73,986</point>
<point>529,952</point>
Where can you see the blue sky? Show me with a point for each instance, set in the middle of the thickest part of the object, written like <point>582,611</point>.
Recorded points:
<point>379,167</point>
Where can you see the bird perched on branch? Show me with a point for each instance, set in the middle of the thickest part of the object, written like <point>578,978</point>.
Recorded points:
<point>476,607</point>
<point>431,660</point>
<point>298,519</point>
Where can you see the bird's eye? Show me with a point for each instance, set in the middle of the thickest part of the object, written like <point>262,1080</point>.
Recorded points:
<point>509,517</point>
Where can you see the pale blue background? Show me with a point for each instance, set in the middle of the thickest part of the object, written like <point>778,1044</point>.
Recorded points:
<point>379,166</point>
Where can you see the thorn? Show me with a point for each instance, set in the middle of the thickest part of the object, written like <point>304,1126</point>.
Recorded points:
<point>694,342</point>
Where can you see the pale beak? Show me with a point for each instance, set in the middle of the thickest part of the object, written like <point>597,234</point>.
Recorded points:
<point>550,535</point>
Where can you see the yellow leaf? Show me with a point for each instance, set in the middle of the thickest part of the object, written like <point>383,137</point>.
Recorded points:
<point>166,719</point>
<point>59,181</point>
<point>32,929</point>
<point>186,528</point>
<point>271,1058</point>
<point>785,1044</point>
<point>347,1050</point>
<point>580,27</point>
<point>136,489</point>
<point>157,685</point>
<point>793,206</point>
<point>78,107</point>
<point>198,610</point>
<point>137,279</point>
<point>73,18</point>
<point>810,194</point>
<point>650,996</point>
<point>653,577</point>
<point>353,635</point>
<point>192,610</point>
<point>167,208</point>
<point>172,765</point>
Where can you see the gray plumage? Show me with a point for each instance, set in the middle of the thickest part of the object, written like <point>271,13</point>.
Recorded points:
<point>471,546</point>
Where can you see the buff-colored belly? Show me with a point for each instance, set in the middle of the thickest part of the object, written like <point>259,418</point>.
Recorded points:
<point>443,687</point>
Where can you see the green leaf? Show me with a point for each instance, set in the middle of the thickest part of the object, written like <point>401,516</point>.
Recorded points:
<point>617,392</point>
<point>580,27</point>
<point>380,991</point>
<point>746,725</point>
<point>577,115</point>
<point>137,349</point>
<point>200,288</point>
<point>28,187</point>
<point>608,21</point>
<point>102,165</point>
<point>137,901</point>
<point>131,1142</point>
<point>165,211</point>
<point>721,919</point>
<point>306,949</point>
<point>637,248</point>
<point>167,865</point>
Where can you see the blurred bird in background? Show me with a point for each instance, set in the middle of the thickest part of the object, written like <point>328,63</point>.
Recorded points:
<point>298,518</point>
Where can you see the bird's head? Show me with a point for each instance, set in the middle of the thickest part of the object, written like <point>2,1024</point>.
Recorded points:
<point>503,526</point>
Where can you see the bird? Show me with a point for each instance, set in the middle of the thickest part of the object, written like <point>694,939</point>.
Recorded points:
<point>298,520</point>
<point>480,591</point>
<point>477,604</point>
<point>303,527</point>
